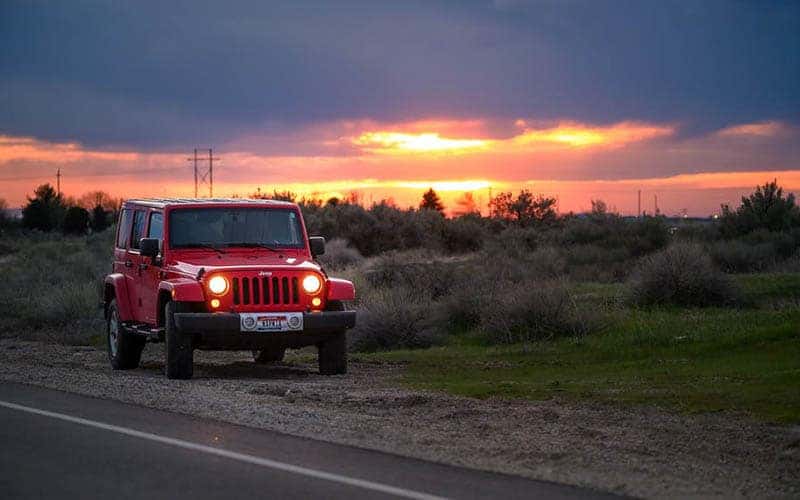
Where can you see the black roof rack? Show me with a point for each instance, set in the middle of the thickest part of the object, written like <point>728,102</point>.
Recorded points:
<point>163,202</point>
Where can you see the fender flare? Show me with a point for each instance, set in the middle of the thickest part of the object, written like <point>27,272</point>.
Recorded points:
<point>117,284</point>
<point>183,290</point>
<point>339,289</point>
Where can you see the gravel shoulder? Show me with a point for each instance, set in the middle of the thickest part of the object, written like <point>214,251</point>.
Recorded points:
<point>644,452</point>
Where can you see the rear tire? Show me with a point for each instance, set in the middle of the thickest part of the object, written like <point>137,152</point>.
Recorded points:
<point>179,363</point>
<point>124,347</point>
<point>267,356</point>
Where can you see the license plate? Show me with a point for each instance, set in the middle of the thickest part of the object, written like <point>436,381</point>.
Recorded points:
<point>271,322</point>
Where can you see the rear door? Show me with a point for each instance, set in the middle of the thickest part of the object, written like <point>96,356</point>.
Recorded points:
<point>149,273</point>
<point>122,262</point>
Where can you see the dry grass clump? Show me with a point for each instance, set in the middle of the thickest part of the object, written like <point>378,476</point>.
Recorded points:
<point>340,255</point>
<point>394,318</point>
<point>683,274</point>
<point>528,312</point>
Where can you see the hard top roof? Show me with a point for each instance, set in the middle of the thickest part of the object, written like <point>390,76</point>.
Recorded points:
<point>164,202</point>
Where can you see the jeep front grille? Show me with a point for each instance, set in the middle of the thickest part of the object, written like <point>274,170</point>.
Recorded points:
<point>265,290</point>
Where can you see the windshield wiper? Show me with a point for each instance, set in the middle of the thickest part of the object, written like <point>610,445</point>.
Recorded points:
<point>255,245</point>
<point>211,246</point>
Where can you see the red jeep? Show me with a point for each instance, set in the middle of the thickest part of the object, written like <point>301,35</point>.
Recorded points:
<point>221,275</point>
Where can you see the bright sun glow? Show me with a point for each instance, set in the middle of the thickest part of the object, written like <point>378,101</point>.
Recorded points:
<point>424,142</point>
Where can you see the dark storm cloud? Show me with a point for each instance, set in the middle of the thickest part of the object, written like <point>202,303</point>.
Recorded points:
<point>150,75</point>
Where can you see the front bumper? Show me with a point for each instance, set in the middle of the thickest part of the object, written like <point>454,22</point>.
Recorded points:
<point>222,330</point>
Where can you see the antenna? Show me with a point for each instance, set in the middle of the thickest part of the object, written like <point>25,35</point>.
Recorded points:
<point>58,182</point>
<point>204,177</point>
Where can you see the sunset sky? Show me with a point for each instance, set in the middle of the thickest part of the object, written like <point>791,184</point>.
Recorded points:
<point>693,102</point>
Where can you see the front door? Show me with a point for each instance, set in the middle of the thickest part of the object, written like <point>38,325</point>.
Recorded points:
<point>133,261</point>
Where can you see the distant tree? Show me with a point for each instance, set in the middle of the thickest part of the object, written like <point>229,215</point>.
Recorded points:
<point>99,219</point>
<point>466,205</point>
<point>92,199</point>
<point>45,210</point>
<point>332,201</point>
<point>3,216</point>
<point>284,195</point>
<point>525,209</point>
<point>766,208</point>
<point>76,221</point>
<point>599,208</point>
<point>431,201</point>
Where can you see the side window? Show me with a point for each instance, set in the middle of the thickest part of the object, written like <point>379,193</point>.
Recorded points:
<point>156,228</point>
<point>124,229</point>
<point>137,231</point>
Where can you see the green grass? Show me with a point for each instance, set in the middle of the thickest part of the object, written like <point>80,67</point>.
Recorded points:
<point>690,360</point>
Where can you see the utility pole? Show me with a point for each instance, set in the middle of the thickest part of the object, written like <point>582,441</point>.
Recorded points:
<point>655,200</point>
<point>210,174</point>
<point>639,207</point>
<point>195,172</point>
<point>58,182</point>
<point>206,177</point>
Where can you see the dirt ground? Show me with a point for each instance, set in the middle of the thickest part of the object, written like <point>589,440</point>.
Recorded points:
<point>643,452</point>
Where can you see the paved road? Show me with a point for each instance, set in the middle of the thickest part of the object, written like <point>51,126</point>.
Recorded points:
<point>55,444</point>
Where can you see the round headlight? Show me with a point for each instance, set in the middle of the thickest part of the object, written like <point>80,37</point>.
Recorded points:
<point>218,285</point>
<point>311,284</point>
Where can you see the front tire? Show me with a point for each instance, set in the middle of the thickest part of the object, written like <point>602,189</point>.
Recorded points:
<point>124,348</point>
<point>333,355</point>
<point>179,363</point>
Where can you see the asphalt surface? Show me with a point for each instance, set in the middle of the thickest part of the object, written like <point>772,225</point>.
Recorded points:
<point>56,444</point>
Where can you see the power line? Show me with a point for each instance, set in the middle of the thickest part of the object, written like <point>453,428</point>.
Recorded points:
<point>203,176</point>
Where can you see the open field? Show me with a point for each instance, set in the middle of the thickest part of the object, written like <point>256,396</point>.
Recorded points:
<point>650,400</point>
<point>695,361</point>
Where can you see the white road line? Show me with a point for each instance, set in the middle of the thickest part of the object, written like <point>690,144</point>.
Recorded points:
<point>242,457</point>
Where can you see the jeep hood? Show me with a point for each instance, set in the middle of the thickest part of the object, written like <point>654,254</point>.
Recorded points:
<point>191,265</point>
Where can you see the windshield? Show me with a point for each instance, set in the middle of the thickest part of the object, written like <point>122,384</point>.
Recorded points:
<point>226,227</point>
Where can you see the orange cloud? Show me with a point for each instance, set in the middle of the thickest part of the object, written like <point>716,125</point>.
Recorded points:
<point>27,148</point>
<point>426,142</point>
<point>760,129</point>
<point>579,135</point>
<point>564,135</point>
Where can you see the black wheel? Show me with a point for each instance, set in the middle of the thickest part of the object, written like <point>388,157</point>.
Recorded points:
<point>333,352</point>
<point>124,347</point>
<point>334,305</point>
<point>180,353</point>
<point>333,355</point>
<point>271,355</point>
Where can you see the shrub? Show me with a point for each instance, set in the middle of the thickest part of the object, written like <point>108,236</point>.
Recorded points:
<point>682,274</point>
<point>394,318</point>
<point>546,262</point>
<point>414,269</point>
<point>736,256</point>
<point>76,221</point>
<point>527,312</point>
<point>339,255</point>
<point>464,234</point>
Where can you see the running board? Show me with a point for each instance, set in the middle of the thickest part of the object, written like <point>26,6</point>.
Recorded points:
<point>149,333</point>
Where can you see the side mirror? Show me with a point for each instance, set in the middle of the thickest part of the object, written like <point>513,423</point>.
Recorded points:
<point>149,247</point>
<point>317,244</point>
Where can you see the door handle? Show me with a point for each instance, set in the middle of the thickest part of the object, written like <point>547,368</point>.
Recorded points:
<point>128,263</point>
